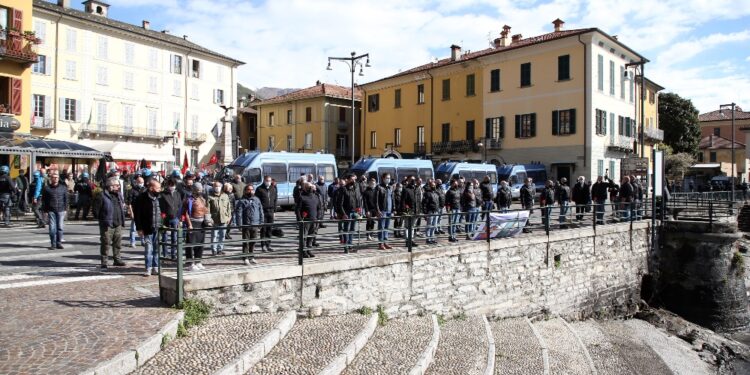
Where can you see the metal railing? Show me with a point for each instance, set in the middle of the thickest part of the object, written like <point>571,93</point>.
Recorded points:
<point>653,133</point>
<point>493,143</point>
<point>14,46</point>
<point>195,137</point>
<point>43,123</point>
<point>420,148</point>
<point>621,144</point>
<point>124,131</point>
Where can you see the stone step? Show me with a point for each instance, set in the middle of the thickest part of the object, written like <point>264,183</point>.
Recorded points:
<point>401,346</point>
<point>567,355</point>
<point>518,350</point>
<point>311,345</point>
<point>216,344</point>
<point>605,354</point>
<point>463,347</point>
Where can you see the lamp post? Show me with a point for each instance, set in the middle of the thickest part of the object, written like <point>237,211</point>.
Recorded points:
<point>484,146</point>
<point>731,105</point>
<point>353,62</point>
<point>641,64</point>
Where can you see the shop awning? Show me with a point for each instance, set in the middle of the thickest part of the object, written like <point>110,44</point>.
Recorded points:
<point>132,150</point>
<point>15,144</point>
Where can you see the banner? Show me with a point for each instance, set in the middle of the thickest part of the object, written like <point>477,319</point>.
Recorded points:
<point>502,225</point>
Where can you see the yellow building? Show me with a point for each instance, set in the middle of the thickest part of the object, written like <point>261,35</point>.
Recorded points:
<point>314,119</point>
<point>717,150</point>
<point>651,132</point>
<point>561,99</point>
<point>719,125</point>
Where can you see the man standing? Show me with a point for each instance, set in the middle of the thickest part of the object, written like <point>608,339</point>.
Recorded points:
<point>370,205</point>
<point>581,197</point>
<point>320,188</point>
<point>220,209</point>
<point>409,204</point>
<point>385,209</point>
<point>111,221</point>
<point>547,201</point>
<point>330,194</point>
<point>453,206</point>
<point>430,206</point>
<point>7,191</point>
<point>487,196</point>
<point>36,202</point>
<point>267,194</point>
<point>84,191</point>
<point>250,211</point>
<point>54,204</point>
<point>348,208</point>
<point>137,189</point>
<point>147,221</point>
<point>626,197</point>
<point>170,204</point>
<point>563,198</point>
<point>527,193</point>
<point>599,196</point>
<point>22,185</point>
<point>307,211</point>
<point>504,197</point>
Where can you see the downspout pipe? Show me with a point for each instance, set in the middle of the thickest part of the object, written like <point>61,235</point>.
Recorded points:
<point>56,100</point>
<point>432,108</point>
<point>586,104</point>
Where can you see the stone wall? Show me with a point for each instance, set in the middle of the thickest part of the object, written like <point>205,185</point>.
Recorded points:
<point>575,273</point>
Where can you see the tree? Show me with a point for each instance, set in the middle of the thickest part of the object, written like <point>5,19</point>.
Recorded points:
<point>676,165</point>
<point>679,120</point>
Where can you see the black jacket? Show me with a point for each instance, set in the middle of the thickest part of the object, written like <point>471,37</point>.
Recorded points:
<point>83,188</point>
<point>581,193</point>
<point>348,200</point>
<point>504,197</point>
<point>562,193</point>
<point>527,196</point>
<point>397,197</point>
<point>409,201</point>
<point>384,191</point>
<point>430,201</point>
<point>309,206</point>
<point>626,192</point>
<point>170,204</point>
<point>267,197</point>
<point>147,213</point>
<point>54,199</point>
<point>453,199</point>
<point>7,186</point>
<point>548,196</point>
<point>323,192</point>
<point>486,190</point>
<point>370,200</point>
<point>107,210</point>
<point>468,199</point>
<point>599,192</point>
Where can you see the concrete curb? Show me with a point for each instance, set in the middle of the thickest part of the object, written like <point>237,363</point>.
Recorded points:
<point>586,353</point>
<point>490,368</point>
<point>245,361</point>
<point>545,351</point>
<point>129,360</point>
<point>347,355</point>
<point>429,352</point>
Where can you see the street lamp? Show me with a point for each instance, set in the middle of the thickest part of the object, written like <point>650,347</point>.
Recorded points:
<point>484,148</point>
<point>641,64</point>
<point>731,105</point>
<point>353,62</point>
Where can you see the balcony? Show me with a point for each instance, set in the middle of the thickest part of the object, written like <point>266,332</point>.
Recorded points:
<point>343,152</point>
<point>493,144</point>
<point>125,132</point>
<point>18,47</point>
<point>654,134</point>
<point>621,144</point>
<point>440,147</point>
<point>43,123</point>
<point>420,148</point>
<point>195,138</point>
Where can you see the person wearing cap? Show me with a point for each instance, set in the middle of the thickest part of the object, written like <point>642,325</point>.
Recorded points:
<point>7,190</point>
<point>36,192</point>
<point>563,198</point>
<point>195,210</point>
<point>147,216</point>
<point>85,192</point>
<point>170,202</point>
<point>111,222</point>
<point>55,204</point>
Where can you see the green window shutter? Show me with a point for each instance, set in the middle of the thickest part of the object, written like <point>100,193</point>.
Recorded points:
<point>488,128</point>
<point>533,124</point>
<point>502,126</point>
<point>518,126</point>
<point>604,122</point>
<point>573,121</point>
<point>555,122</point>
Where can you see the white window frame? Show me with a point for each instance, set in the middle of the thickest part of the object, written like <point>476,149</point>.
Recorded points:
<point>153,59</point>
<point>70,110</point>
<point>153,85</point>
<point>71,40</point>
<point>308,141</point>
<point>152,120</point>
<point>102,47</point>
<point>218,96</point>
<point>40,30</point>
<point>176,64</point>
<point>71,70</point>
<point>128,81</point>
<point>128,111</point>
<point>40,67</point>
<point>195,91</point>
<point>194,125</point>
<point>177,88</point>
<point>102,75</point>
<point>101,115</point>
<point>39,106</point>
<point>129,53</point>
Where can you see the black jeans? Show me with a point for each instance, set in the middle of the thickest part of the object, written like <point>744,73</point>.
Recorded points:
<point>265,232</point>
<point>195,239</point>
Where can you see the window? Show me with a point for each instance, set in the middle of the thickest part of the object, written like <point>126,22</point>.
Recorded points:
<point>40,66</point>
<point>445,134</point>
<point>101,75</point>
<point>152,85</point>
<point>127,118</point>
<point>470,89</point>
<point>69,109</point>
<point>373,103</point>
<point>275,171</point>
<point>176,117</point>
<point>70,70</point>
<point>563,67</point>
<point>289,117</point>
<point>153,59</point>
<point>308,114</point>
<point>632,89</point>
<point>195,91</point>
<point>564,122</point>
<point>103,50</point>
<point>420,94</point>
<point>611,169</point>
<point>196,69</point>
<point>39,109</point>
<point>717,132</point>
<point>611,77</point>
<point>71,37</point>
<point>628,127</point>
<point>600,72</point>
<point>494,128</point>
<point>272,146</point>
<point>308,141</point>
<point>525,74</point>
<point>194,125</point>
<point>40,30</point>
<point>218,96</point>
<point>397,98</point>
<point>700,157</point>
<point>152,116</point>
<point>271,121</point>
<point>600,167</point>
<point>129,53</point>
<point>601,122</point>
<point>373,140</point>
<point>101,115</point>
<point>611,126</point>
<point>342,114</point>
<point>622,82</point>
<point>177,88</point>
<point>712,157</point>
<point>176,65</point>
<point>446,89</point>
<point>342,144</point>
<point>495,80</point>
<point>526,125</point>
<point>651,97</point>
<point>420,135</point>
<point>127,80</point>
<point>470,130</point>
<point>620,125</point>
<point>397,137</point>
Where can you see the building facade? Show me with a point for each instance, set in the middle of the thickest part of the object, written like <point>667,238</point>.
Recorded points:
<point>716,140</point>
<point>314,119</point>
<point>129,90</point>
<point>564,99</point>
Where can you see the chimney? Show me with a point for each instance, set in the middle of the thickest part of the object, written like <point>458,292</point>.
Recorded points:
<point>558,24</point>
<point>455,52</point>
<point>184,37</point>
<point>317,83</point>
<point>146,25</point>
<point>517,37</point>
<point>504,42</point>
<point>63,3</point>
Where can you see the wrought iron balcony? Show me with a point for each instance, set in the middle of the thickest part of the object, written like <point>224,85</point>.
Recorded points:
<point>493,144</point>
<point>654,133</point>
<point>621,144</point>
<point>440,147</point>
<point>461,146</point>
<point>420,148</point>
<point>343,152</point>
<point>124,131</point>
<point>18,47</point>
<point>43,123</point>
<point>195,138</point>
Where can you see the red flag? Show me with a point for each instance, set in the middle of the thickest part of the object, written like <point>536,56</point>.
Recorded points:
<point>214,159</point>
<point>185,165</point>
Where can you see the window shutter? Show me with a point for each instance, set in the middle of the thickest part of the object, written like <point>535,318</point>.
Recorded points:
<point>48,66</point>
<point>16,91</point>
<point>518,126</point>
<point>61,108</point>
<point>200,70</point>
<point>555,122</point>
<point>604,122</point>
<point>171,63</point>
<point>502,126</point>
<point>488,128</point>
<point>48,107</point>
<point>533,124</point>
<point>78,111</point>
<point>627,126</point>
<point>573,121</point>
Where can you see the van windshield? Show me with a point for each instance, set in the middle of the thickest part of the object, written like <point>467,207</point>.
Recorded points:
<point>444,176</point>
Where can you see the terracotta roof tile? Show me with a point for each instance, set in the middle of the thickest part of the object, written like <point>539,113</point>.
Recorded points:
<point>724,114</point>
<point>712,142</point>
<point>323,89</point>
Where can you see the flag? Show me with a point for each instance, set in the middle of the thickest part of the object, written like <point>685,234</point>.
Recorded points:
<point>91,113</point>
<point>214,159</point>
<point>177,129</point>
<point>185,165</point>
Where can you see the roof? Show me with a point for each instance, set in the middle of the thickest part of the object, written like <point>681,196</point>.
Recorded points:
<point>713,142</point>
<point>724,115</point>
<point>247,110</point>
<point>320,90</point>
<point>706,166</point>
<point>123,26</point>
<point>20,144</point>
<point>654,84</point>
<point>555,35</point>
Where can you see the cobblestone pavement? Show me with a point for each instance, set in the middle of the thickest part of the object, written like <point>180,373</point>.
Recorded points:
<point>311,345</point>
<point>638,357</point>
<point>605,355</point>
<point>393,349</point>
<point>211,346</point>
<point>565,354</point>
<point>517,350</point>
<point>462,348</point>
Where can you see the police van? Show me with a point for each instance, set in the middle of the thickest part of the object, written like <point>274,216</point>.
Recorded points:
<point>397,168</point>
<point>450,170</point>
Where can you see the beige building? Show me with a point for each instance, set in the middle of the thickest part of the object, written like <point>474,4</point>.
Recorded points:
<point>129,90</point>
<point>716,139</point>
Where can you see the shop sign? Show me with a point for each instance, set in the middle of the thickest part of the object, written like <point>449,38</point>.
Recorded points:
<point>9,124</point>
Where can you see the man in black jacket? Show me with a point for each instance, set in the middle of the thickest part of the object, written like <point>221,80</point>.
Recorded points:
<point>55,204</point>
<point>267,194</point>
<point>431,207</point>
<point>147,221</point>
<point>441,195</point>
<point>599,196</point>
<point>8,190</point>
<point>348,207</point>
<point>563,198</point>
<point>133,194</point>
<point>626,197</point>
<point>322,191</point>
<point>547,201</point>
<point>307,211</point>
<point>485,188</point>
<point>386,205</point>
<point>111,222</point>
<point>453,206</point>
<point>527,193</point>
<point>370,205</point>
<point>170,204</point>
<point>504,197</point>
<point>581,197</point>
<point>84,192</point>
<point>411,203</point>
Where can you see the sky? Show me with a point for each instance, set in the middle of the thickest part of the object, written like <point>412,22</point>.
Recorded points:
<point>699,49</point>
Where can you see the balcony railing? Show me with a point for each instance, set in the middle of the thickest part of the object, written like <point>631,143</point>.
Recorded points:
<point>420,148</point>
<point>43,123</point>
<point>440,147</point>
<point>123,131</point>
<point>14,46</point>
<point>621,144</point>
<point>653,133</point>
<point>343,152</point>
<point>195,138</point>
<point>493,144</point>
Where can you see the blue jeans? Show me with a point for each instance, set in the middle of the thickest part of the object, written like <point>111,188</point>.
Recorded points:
<point>218,233</point>
<point>546,213</point>
<point>563,212</point>
<point>173,223</point>
<point>56,227</point>
<point>453,218</point>
<point>487,207</point>
<point>149,246</point>
<point>383,223</point>
<point>471,220</point>
<point>431,225</point>
<point>349,227</point>
<point>599,208</point>
<point>133,232</point>
<point>5,203</point>
<point>236,220</point>
<point>625,210</point>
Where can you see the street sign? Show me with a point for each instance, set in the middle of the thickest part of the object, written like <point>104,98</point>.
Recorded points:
<point>9,124</point>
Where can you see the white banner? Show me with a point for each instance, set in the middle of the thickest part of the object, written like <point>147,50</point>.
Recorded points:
<point>502,225</point>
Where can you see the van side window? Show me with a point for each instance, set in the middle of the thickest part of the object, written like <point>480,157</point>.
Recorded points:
<point>252,175</point>
<point>391,171</point>
<point>327,171</point>
<point>513,180</point>
<point>298,170</point>
<point>467,175</point>
<point>372,174</point>
<point>425,173</point>
<point>276,171</point>
<point>493,177</point>
<point>406,172</point>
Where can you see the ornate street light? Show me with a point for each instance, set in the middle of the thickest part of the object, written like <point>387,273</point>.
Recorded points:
<point>353,62</point>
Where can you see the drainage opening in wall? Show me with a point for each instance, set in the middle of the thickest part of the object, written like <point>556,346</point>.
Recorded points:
<point>317,291</point>
<point>558,260</point>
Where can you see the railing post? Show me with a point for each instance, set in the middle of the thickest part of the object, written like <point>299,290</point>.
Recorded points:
<point>409,239</point>
<point>180,265</point>
<point>595,210</point>
<point>301,244</point>
<point>711,214</point>
<point>546,213</point>
<point>487,225</point>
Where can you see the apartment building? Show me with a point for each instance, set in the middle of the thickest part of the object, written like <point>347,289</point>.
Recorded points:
<point>17,54</point>
<point>716,140</point>
<point>129,90</point>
